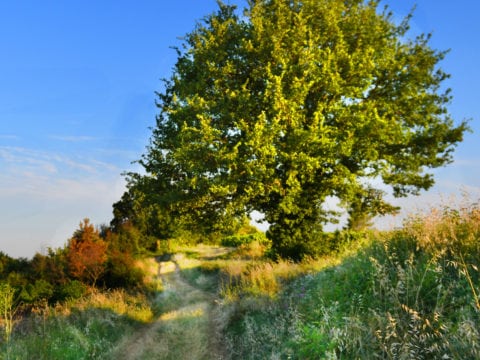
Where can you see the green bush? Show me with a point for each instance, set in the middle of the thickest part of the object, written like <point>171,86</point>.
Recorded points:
<point>72,290</point>
<point>39,290</point>
<point>238,240</point>
<point>121,271</point>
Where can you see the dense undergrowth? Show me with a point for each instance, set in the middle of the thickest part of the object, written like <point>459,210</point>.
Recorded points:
<point>411,293</point>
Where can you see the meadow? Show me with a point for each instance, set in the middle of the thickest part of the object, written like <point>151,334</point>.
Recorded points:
<point>409,293</point>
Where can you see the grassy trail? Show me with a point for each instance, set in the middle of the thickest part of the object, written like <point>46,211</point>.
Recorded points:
<point>185,327</point>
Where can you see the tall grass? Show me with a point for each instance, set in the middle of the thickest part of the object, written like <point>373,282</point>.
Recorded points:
<point>407,294</point>
<point>87,328</point>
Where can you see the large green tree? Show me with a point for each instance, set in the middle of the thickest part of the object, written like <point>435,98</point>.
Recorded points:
<point>291,103</point>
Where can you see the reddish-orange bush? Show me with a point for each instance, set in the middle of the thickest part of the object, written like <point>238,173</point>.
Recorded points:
<point>87,253</point>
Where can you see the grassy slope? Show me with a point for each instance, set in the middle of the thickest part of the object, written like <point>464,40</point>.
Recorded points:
<point>409,294</point>
<point>412,293</point>
<point>82,329</point>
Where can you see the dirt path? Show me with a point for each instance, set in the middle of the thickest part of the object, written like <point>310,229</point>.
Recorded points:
<point>186,327</point>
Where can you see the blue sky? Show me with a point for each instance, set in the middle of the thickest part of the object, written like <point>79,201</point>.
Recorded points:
<point>77,83</point>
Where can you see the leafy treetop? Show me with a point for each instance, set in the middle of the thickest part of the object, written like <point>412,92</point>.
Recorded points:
<point>292,103</point>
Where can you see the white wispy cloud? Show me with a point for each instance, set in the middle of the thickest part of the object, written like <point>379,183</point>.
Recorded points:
<point>16,158</point>
<point>44,195</point>
<point>52,176</point>
<point>19,160</point>
<point>73,138</point>
<point>9,137</point>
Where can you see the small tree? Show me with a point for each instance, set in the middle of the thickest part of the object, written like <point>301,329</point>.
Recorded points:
<point>87,253</point>
<point>7,309</point>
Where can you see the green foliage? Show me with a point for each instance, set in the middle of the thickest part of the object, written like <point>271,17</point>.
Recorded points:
<point>38,291</point>
<point>17,280</point>
<point>4,263</point>
<point>140,220</point>
<point>320,244</point>
<point>125,238</point>
<point>313,344</point>
<point>365,205</point>
<point>289,105</point>
<point>238,240</point>
<point>52,267</point>
<point>73,289</point>
<point>121,272</point>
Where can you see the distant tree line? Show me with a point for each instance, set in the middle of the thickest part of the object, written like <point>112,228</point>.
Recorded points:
<point>104,256</point>
<point>92,257</point>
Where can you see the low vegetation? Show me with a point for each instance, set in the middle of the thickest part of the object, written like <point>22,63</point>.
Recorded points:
<point>410,293</point>
<point>407,293</point>
<point>85,328</point>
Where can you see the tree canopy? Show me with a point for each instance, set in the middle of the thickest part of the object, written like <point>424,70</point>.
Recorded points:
<point>291,103</point>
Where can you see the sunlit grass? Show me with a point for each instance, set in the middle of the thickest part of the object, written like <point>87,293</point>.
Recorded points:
<point>135,307</point>
<point>186,312</point>
<point>259,276</point>
<point>87,328</point>
<point>411,293</point>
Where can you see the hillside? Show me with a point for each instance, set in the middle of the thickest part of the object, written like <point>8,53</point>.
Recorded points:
<point>410,293</point>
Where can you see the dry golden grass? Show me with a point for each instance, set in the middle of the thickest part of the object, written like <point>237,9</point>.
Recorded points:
<point>451,228</point>
<point>253,250</point>
<point>149,269</point>
<point>263,277</point>
<point>120,302</point>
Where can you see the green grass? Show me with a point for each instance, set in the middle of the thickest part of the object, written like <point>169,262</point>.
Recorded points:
<point>84,329</point>
<point>411,293</point>
<point>89,334</point>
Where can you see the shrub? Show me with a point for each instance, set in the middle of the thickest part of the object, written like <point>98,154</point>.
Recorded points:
<point>72,290</point>
<point>7,309</point>
<point>122,272</point>
<point>87,253</point>
<point>238,240</point>
<point>39,290</point>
